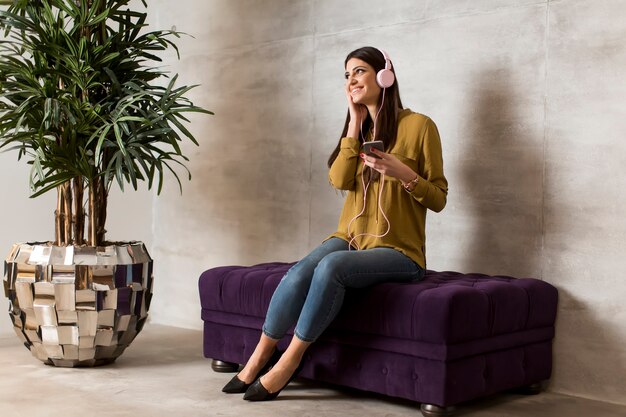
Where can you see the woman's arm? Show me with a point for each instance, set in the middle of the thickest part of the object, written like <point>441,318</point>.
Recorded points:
<point>431,187</point>
<point>342,172</point>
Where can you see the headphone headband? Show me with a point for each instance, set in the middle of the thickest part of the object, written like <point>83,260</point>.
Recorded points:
<point>386,58</point>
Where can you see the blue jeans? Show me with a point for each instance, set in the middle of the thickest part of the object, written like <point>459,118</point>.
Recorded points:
<point>311,292</point>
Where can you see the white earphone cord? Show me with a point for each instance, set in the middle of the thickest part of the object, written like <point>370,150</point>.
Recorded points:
<point>380,193</point>
<point>366,187</point>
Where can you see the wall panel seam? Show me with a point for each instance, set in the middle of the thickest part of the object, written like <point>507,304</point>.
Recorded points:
<point>545,139</point>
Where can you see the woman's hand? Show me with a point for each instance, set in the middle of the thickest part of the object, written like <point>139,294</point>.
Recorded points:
<point>389,165</point>
<point>358,113</point>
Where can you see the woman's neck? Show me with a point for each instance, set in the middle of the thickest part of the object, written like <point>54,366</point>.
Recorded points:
<point>372,109</point>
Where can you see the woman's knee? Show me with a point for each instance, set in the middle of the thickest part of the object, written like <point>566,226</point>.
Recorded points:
<point>330,268</point>
<point>298,278</point>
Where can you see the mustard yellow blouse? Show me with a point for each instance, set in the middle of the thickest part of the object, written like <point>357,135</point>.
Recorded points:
<point>418,146</point>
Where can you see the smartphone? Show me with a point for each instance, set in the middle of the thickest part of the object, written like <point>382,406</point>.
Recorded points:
<point>378,144</point>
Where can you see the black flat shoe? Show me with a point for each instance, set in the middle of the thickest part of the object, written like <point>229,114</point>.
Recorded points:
<point>237,386</point>
<point>257,392</point>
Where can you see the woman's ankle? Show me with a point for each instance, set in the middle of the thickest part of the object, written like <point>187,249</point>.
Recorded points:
<point>254,365</point>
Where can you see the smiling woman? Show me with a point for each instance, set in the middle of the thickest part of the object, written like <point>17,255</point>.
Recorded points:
<point>361,83</point>
<point>368,108</point>
<point>380,237</point>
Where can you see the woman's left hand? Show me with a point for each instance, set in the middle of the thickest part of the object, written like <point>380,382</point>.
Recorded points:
<point>389,165</point>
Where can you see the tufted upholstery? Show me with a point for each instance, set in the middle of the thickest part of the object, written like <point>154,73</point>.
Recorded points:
<point>448,338</point>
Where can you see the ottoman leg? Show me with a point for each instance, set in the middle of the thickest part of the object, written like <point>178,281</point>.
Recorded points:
<point>432,410</point>
<point>221,366</point>
<point>532,389</point>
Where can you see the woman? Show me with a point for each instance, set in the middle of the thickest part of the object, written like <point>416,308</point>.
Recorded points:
<point>381,232</point>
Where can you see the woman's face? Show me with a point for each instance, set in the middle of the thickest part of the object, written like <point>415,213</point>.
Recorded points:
<point>361,82</point>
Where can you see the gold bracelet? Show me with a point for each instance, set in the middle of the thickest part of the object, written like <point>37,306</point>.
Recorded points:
<point>410,186</point>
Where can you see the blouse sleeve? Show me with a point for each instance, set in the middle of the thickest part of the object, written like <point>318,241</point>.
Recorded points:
<point>431,190</point>
<point>342,172</point>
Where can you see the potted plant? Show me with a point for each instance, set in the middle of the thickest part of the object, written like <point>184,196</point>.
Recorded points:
<point>80,100</point>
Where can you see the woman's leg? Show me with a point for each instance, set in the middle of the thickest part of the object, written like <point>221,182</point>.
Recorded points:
<point>291,293</point>
<point>279,375</point>
<point>261,354</point>
<point>334,273</point>
<point>285,306</point>
<point>349,269</point>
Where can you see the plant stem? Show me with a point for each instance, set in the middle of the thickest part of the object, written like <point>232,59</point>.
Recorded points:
<point>98,196</point>
<point>93,225</point>
<point>67,213</point>
<point>58,215</point>
<point>79,212</point>
<point>101,211</point>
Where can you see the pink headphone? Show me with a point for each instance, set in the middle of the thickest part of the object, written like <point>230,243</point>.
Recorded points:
<point>385,77</point>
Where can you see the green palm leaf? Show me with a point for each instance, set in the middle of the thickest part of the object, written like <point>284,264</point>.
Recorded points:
<point>79,97</point>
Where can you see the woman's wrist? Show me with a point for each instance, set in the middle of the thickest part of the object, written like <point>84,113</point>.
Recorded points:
<point>353,130</point>
<point>410,182</point>
<point>406,175</point>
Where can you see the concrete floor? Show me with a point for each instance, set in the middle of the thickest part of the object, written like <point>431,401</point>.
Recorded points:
<point>163,373</point>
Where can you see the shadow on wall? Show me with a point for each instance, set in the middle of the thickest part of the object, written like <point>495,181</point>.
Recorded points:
<point>500,178</point>
<point>250,190</point>
<point>587,352</point>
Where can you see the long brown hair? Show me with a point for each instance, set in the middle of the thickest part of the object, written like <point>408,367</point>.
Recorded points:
<point>387,122</point>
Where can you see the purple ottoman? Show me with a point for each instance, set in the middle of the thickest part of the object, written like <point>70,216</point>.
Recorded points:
<point>449,338</point>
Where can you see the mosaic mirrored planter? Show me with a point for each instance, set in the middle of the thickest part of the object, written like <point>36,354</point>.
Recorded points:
<point>78,305</point>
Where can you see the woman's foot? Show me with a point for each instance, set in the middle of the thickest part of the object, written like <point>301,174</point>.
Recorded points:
<point>259,360</point>
<point>278,377</point>
<point>256,366</point>
<point>272,383</point>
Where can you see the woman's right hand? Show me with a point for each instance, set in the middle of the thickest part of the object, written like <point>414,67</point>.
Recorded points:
<point>358,113</point>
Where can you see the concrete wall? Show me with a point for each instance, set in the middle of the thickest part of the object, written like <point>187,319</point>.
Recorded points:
<point>527,95</point>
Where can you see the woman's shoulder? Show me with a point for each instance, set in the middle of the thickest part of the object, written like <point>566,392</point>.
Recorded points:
<point>410,117</point>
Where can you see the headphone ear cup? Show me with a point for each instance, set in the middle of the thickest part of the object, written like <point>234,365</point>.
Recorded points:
<point>385,78</point>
